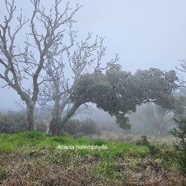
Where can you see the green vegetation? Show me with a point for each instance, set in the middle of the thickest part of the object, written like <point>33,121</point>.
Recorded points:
<point>117,163</point>
<point>180,146</point>
<point>119,92</point>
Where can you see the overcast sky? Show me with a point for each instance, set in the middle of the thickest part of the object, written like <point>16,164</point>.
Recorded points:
<point>145,33</point>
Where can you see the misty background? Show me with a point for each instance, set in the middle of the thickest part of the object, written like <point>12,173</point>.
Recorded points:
<point>144,33</point>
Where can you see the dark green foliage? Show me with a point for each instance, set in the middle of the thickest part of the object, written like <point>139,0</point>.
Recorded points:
<point>119,92</point>
<point>142,141</point>
<point>123,121</point>
<point>180,133</point>
<point>152,148</point>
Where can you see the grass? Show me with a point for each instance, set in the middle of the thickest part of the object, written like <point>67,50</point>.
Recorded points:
<point>122,163</point>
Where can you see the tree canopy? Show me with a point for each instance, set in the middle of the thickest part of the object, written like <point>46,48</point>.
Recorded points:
<point>119,92</point>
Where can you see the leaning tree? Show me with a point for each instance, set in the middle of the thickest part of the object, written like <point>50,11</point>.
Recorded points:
<point>119,92</point>
<point>22,64</point>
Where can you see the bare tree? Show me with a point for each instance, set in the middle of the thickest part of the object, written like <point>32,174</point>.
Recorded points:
<point>20,66</point>
<point>182,69</point>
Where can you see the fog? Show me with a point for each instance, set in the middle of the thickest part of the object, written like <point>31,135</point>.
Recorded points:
<point>149,119</point>
<point>144,33</point>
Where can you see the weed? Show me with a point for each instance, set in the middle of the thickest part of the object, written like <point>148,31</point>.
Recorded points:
<point>152,148</point>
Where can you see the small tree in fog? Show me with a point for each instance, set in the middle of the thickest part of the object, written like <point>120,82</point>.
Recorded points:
<point>151,119</point>
<point>21,65</point>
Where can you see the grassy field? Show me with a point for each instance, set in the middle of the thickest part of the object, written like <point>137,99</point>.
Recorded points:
<point>36,159</point>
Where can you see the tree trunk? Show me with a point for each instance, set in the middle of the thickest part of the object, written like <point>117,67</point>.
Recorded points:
<point>54,126</point>
<point>69,114</point>
<point>57,124</point>
<point>30,116</point>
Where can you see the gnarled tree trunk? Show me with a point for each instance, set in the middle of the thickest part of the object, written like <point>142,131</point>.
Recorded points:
<point>56,114</point>
<point>30,116</point>
<point>57,123</point>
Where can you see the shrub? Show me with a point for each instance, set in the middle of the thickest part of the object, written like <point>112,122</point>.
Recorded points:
<point>85,127</point>
<point>15,122</point>
<point>180,133</point>
<point>12,122</point>
<point>144,142</point>
<point>89,127</point>
<point>71,127</point>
